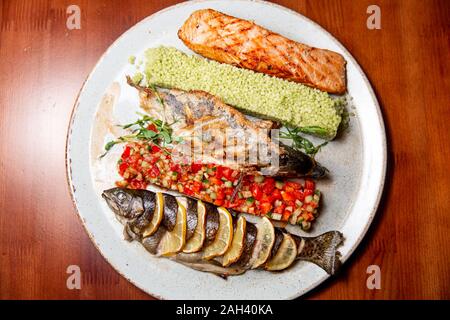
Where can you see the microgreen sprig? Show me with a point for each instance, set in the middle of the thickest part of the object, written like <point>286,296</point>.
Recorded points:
<point>148,129</point>
<point>301,143</point>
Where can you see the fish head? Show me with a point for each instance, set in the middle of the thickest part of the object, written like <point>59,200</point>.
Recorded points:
<point>294,163</point>
<point>318,171</point>
<point>124,202</point>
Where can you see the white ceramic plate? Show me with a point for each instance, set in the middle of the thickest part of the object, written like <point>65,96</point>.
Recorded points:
<point>357,161</point>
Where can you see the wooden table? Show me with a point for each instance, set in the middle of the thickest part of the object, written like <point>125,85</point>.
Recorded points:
<point>43,65</point>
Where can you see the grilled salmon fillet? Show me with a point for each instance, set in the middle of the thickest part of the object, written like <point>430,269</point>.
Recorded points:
<point>243,43</point>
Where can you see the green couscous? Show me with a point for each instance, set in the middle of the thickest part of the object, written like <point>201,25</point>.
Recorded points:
<point>255,93</point>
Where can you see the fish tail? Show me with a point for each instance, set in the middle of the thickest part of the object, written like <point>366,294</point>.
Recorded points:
<point>322,250</point>
<point>149,91</point>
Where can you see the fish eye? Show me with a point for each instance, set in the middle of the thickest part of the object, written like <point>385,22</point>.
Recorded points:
<point>121,196</point>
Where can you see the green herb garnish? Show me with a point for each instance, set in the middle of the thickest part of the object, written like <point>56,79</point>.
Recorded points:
<point>314,130</point>
<point>301,143</point>
<point>160,134</point>
<point>158,96</point>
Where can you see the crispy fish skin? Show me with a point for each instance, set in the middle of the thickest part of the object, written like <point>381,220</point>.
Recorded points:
<point>320,250</point>
<point>245,44</point>
<point>190,111</point>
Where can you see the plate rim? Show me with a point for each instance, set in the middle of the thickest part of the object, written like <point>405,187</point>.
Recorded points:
<point>360,71</point>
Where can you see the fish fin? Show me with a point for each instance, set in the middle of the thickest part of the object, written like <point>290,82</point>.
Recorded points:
<point>149,91</point>
<point>129,234</point>
<point>322,251</point>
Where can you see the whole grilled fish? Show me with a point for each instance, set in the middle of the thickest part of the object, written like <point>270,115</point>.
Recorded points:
<point>243,43</point>
<point>213,132</point>
<point>161,221</point>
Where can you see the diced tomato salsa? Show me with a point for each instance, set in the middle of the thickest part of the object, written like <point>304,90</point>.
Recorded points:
<point>143,163</point>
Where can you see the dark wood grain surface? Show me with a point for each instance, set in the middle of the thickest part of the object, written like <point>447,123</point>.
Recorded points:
<point>43,65</point>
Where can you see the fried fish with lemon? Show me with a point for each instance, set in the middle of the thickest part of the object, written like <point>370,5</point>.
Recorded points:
<point>212,239</point>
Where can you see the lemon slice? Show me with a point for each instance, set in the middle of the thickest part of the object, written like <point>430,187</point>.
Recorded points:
<point>223,237</point>
<point>157,216</point>
<point>265,238</point>
<point>237,245</point>
<point>174,241</point>
<point>285,256</point>
<point>196,242</point>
